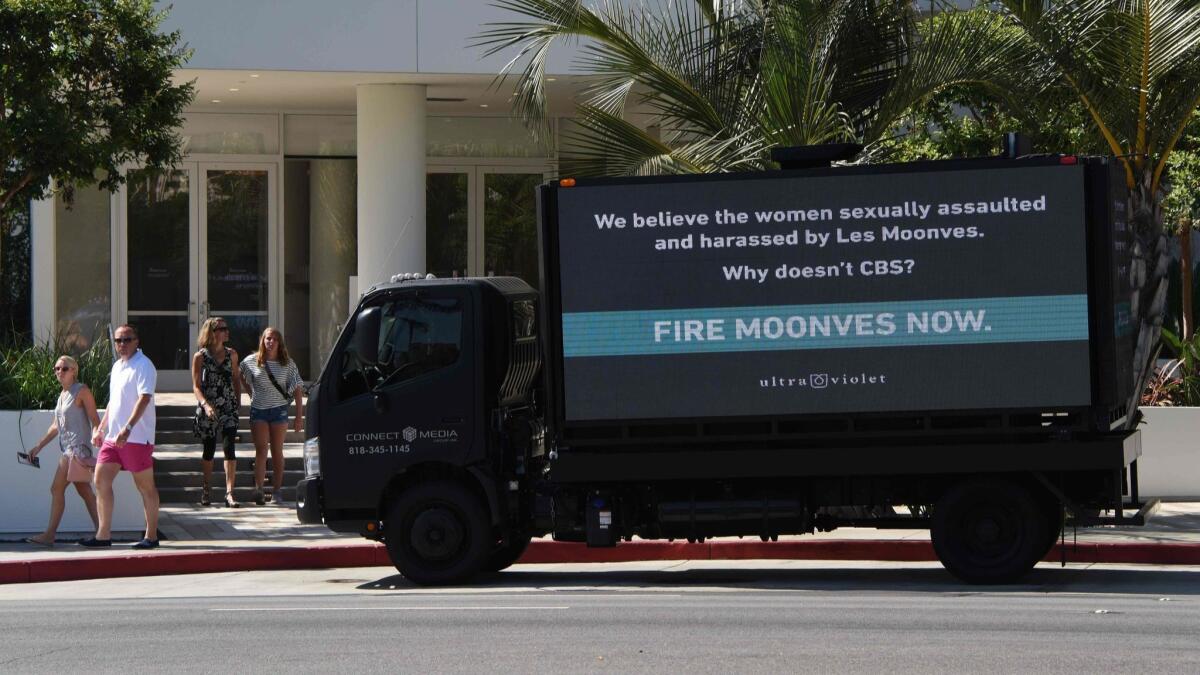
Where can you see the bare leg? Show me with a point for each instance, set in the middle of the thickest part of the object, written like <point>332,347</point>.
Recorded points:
<point>89,500</point>
<point>144,480</point>
<point>230,475</point>
<point>58,502</point>
<point>206,467</point>
<point>261,435</point>
<point>277,435</point>
<point>105,473</point>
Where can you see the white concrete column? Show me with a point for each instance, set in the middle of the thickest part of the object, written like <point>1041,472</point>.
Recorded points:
<point>44,295</point>
<point>391,181</point>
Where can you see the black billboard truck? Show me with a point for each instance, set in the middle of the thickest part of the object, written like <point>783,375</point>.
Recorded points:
<point>952,345</point>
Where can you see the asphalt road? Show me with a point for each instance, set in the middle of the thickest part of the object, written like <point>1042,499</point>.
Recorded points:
<point>638,617</point>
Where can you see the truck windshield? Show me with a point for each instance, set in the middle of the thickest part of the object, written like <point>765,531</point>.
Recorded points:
<point>416,336</point>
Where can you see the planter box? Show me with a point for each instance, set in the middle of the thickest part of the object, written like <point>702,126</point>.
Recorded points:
<point>25,491</point>
<point>1170,464</point>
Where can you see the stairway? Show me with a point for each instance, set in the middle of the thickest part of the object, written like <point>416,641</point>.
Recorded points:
<point>177,460</point>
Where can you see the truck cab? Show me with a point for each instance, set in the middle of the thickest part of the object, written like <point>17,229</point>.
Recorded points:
<point>429,387</point>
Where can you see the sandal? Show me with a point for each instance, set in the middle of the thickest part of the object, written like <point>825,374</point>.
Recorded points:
<point>230,501</point>
<point>206,496</point>
<point>258,498</point>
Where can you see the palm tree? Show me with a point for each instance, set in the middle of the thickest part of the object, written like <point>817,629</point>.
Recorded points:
<point>720,83</point>
<point>1135,67</point>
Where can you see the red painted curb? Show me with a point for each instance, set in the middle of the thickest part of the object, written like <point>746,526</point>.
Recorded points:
<point>375,555</point>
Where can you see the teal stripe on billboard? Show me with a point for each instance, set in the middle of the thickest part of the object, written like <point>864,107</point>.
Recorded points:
<point>1051,318</point>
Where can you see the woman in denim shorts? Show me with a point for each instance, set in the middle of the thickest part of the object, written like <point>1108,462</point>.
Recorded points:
<point>273,381</point>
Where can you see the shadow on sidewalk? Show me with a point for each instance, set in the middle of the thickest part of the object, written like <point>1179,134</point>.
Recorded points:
<point>1044,579</point>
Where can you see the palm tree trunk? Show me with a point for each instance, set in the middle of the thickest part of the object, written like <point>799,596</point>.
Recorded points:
<point>1185,260</point>
<point>1150,262</point>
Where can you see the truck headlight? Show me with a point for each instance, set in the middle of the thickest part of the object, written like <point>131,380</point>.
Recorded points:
<point>312,457</point>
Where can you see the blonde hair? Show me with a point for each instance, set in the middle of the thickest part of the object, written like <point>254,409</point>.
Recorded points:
<point>281,356</point>
<point>70,361</point>
<point>205,338</point>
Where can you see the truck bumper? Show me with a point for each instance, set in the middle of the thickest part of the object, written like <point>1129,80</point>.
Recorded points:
<point>308,501</point>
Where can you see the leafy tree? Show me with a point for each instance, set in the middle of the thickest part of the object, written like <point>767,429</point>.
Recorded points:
<point>85,86</point>
<point>1134,65</point>
<point>720,83</point>
<point>969,121</point>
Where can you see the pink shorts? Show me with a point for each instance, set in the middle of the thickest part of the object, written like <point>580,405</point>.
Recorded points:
<point>133,457</point>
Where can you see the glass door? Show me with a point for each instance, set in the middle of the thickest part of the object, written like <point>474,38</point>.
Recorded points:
<point>160,271</point>
<point>235,217</point>
<point>448,208</point>
<point>482,221</point>
<point>509,233</point>
<point>196,243</point>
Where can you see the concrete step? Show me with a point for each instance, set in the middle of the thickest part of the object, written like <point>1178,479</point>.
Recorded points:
<point>191,461</point>
<point>164,424</point>
<point>161,411</point>
<point>191,495</point>
<point>179,478</point>
<point>176,437</point>
<point>291,476</point>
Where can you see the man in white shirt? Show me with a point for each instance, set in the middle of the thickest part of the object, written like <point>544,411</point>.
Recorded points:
<point>126,438</point>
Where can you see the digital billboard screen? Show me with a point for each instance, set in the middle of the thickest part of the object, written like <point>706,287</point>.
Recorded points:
<point>792,295</point>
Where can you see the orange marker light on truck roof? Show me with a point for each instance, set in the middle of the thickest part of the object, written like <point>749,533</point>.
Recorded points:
<point>567,182</point>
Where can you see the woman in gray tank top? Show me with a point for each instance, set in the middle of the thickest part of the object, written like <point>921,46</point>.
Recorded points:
<point>74,418</point>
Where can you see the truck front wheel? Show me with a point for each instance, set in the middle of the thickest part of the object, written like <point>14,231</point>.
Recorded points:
<point>438,533</point>
<point>988,531</point>
<point>504,555</point>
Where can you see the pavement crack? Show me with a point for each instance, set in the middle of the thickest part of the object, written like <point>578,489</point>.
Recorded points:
<point>34,656</point>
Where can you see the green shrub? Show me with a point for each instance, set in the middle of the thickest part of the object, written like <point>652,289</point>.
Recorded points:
<point>1177,381</point>
<point>27,379</point>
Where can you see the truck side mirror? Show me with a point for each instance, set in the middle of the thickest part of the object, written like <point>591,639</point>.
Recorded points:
<point>366,335</point>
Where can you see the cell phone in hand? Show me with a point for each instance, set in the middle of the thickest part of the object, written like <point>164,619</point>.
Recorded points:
<point>24,458</point>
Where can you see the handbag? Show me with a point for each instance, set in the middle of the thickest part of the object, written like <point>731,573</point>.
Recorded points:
<point>77,471</point>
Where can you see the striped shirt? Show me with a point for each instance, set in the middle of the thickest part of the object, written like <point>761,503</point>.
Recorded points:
<point>263,394</point>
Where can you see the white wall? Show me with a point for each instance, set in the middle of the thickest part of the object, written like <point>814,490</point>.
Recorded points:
<point>25,491</point>
<point>1170,463</point>
<point>382,36</point>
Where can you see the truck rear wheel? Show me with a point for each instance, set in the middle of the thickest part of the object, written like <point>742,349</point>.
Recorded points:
<point>438,533</point>
<point>988,531</point>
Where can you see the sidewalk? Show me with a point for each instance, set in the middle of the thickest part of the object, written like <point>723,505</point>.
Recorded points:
<point>200,539</point>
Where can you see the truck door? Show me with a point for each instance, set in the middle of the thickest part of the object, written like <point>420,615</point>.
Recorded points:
<point>411,403</point>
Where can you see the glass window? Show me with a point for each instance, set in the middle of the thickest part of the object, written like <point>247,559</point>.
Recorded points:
<point>320,135</point>
<point>417,336</point>
<point>83,262</point>
<point>227,133</point>
<point>15,254</point>
<point>483,137</point>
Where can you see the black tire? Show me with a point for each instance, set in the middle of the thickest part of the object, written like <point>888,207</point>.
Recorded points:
<point>504,555</point>
<point>1053,515</point>
<point>438,533</point>
<point>989,531</point>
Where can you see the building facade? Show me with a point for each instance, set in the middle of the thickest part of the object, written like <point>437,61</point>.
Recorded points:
<point>329,146</point>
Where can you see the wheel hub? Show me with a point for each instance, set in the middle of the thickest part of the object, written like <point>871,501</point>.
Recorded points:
<point>437,534</point>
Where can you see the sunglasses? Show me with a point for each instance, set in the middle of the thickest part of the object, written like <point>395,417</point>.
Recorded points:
<point>62,369</point>
<point>221,328</point>
<point>123,340</point>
